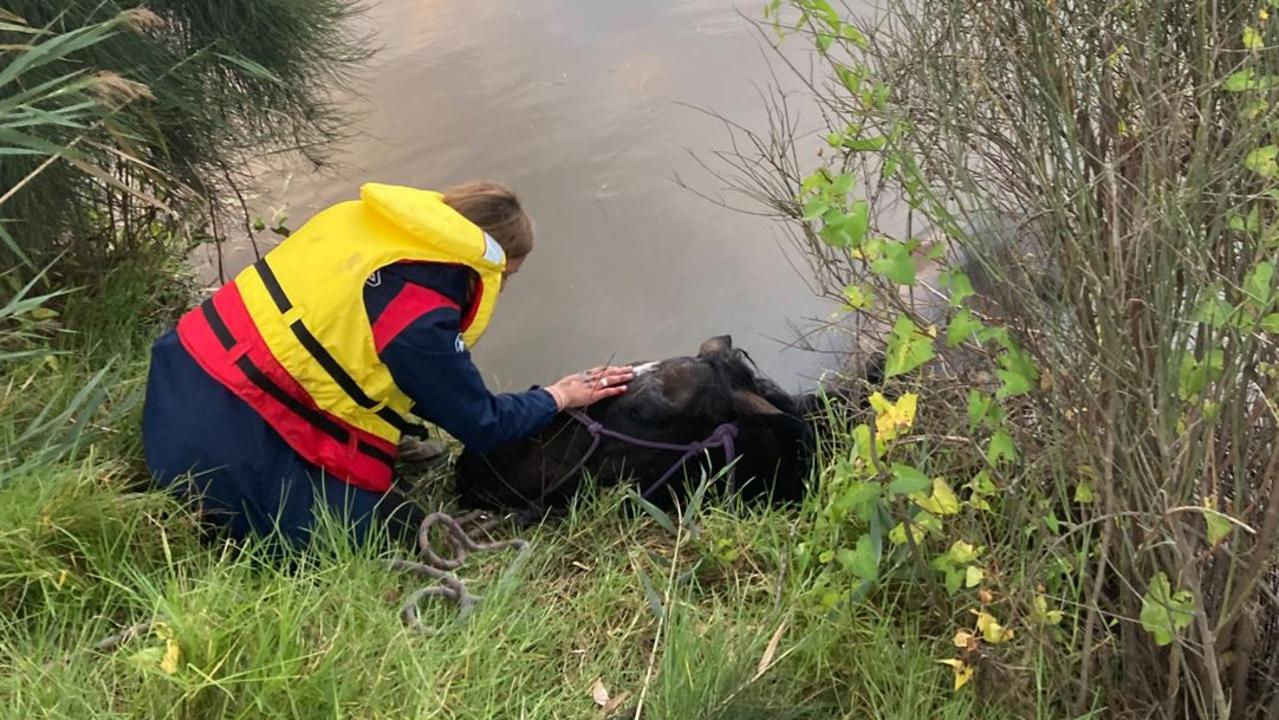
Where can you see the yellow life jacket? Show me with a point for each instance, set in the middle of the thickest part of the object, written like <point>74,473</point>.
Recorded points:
<point>305,302</point>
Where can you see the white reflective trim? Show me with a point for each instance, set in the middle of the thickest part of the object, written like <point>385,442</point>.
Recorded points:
<point>492,251</point>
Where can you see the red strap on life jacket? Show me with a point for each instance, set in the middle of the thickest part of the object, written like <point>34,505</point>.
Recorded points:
<point>409,304</point>
<point>224,341</point>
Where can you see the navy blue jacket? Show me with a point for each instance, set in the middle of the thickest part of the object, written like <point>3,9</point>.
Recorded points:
<point>200,438</point>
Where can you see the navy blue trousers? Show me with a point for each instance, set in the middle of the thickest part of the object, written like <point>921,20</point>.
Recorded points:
<point>206,444</point>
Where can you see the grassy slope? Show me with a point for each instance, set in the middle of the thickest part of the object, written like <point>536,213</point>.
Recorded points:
<point>83,554</point>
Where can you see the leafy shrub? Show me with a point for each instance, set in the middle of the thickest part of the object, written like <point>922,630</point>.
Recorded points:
<point>1061,218</point>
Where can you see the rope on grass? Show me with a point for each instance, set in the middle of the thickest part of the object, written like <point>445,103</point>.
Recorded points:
<point>108,644</point>
<point>439,568</point>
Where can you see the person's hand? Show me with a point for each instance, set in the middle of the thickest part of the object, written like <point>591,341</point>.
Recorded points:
<point>587,388</point>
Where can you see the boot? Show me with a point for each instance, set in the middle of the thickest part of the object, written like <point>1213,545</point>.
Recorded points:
<point>415,451</point>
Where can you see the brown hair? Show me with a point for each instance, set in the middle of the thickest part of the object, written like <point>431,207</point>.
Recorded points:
<point>497,211</point>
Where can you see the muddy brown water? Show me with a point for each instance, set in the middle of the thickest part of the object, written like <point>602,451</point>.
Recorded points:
<point>580,105</point>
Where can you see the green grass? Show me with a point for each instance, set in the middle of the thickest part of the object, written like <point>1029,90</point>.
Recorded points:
<point>82,557</point>
<point>683,621</point>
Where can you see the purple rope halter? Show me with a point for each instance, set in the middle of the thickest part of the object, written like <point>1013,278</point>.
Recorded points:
<point>722,437</point>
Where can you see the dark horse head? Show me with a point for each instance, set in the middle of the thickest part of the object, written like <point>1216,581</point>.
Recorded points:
<point>678,402</point>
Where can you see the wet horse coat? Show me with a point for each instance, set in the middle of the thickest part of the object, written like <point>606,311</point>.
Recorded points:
<point>680,401</point>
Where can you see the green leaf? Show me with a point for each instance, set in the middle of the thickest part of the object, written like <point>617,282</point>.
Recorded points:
<point>1195,374</point>
<point>843,182</point>
<point>978,407</point>
<point>817,180</point>
<point>1018,372</point>
<point>1001,449</point>
<point>1263,161</point>
<point>1246,79</point>
<point>862,443</point>
<point>1012,384</point>
<point>650,592</point>
<point>858,297</point>
<point>858,222</point>
<point>1238,81</point>
<point>1084,492</point>
<point>870,144</point>
<point>1051,522</point>
<point>1270,323</point>
<point>1250,223</point>
<point>907,348</point>
<point>961,288</point>
<point>850,79</point>
<point>862,562</point>
<point>981,484</point>
<point>1213,310</point>
<point>854,36</point>
<point>1258,283</point>
<point>1163,612</point>
<point>896,265</point>
<point>954,580</point>
<point>815,208</point>
<point>860,498</point>
<point>908,480</point>
<point>963,326</point>
<point>659,515</point>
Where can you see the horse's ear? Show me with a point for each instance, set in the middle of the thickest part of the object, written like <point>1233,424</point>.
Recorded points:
<point>748,403</point>
<point>715,346</point>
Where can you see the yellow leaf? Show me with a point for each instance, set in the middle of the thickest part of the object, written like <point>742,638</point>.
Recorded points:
<point>1219,527</point>
<point>963,673</point>
<point>973,576</point>
<point>172,656</point>
<point>1041,615</point>
<point>990,629</point>
<point>897,535</point>
<point>963,639</point>
<point>962,553</point>
<point>943,500</point>
<point>893,418</point>
<point>1252,39</point>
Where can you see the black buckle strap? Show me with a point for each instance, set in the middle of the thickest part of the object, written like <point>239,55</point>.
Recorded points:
<point>255,375</point>
<point>326,359</point>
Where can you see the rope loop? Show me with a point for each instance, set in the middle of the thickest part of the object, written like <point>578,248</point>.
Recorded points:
<point>439,568</point>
